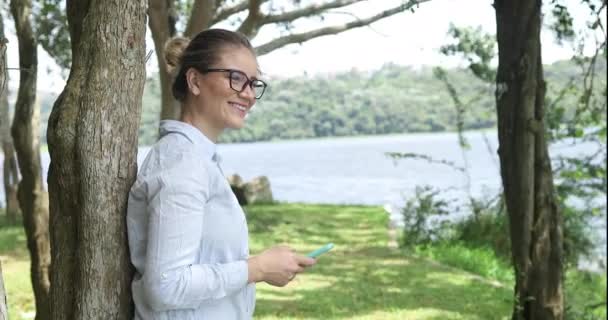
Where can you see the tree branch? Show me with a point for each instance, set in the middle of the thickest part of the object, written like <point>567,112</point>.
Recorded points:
<point>223,14</point>
<point>302,37</point>
<point>75,15</point>
<point>158,11</point>
<point>307,11</point>
<point>252,23</point>
<point>201,17</point>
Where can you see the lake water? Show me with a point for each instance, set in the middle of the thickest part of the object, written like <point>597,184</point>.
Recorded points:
<point>356,170</point>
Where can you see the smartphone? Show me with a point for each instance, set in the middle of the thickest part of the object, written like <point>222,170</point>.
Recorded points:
<point>321,250</point>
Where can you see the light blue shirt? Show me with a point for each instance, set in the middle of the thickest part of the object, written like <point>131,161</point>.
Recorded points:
<point>187,233</point>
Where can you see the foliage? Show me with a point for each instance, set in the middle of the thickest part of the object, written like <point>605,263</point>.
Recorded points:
<point>476,47</point>
<point>420,216</point>
<point>575,110</point>
<point>392,99</point>
<point>488,228</point>
<point>480,244</point>
<point>52,31</point>
<point>577,115</point>
<point>585,296</point>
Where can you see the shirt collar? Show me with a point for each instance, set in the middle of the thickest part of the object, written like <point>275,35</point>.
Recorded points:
<point>191,133</point>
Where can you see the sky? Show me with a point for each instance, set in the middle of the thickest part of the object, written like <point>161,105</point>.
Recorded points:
<point>410,39</point>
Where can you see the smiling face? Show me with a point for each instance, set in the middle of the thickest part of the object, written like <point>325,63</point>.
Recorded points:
<point>212,99</point>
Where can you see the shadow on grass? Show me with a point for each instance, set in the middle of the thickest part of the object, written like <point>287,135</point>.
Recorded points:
<point>362,282</point>
<point>314,225</point>
<point>12,239</point>
<point>361,276</point>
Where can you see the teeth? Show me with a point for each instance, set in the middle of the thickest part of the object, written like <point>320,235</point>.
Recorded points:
<point>240,107</point>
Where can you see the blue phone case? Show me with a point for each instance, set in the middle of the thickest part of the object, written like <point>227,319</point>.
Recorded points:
<point>321,250</point>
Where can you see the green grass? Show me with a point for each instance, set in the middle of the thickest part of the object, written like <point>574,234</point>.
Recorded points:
<point>480,261</point>
<point>16,269</point>
<point>361,278</point>
<point>585,292</point>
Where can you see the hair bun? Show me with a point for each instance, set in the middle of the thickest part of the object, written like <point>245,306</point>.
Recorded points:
<point>174,48</point>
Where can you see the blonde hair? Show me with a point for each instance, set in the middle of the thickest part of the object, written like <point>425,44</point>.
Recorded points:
<point>200,53</point>
<point>174,48</point>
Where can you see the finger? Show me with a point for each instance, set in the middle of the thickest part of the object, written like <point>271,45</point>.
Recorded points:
<point>293,266</point>
<point>305,261</point>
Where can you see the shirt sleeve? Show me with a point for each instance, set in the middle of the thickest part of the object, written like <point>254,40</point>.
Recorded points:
<point>172,277</point>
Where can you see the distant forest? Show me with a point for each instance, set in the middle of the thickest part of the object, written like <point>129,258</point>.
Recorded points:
<point>392,99</point>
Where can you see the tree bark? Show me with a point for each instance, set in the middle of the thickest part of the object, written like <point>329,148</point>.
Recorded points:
<point>534,218</point>
<point>32,197</point>
<point>92,137</point>
<point>10,171</point>
<point>201,16</point>
<point>3,307</point>
<point>162,27</point>
<point>10,168</point>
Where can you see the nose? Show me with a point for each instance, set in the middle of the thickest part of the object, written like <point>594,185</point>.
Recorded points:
<point>248,94</point>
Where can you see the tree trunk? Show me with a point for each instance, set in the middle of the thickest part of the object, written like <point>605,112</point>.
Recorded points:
<point>10,169</point>
<point>3,307</point>
<point>33,199</point>
<point>10,172</point>
<point>92,137</point>
<point>534,218</point>
<point>162,26</point>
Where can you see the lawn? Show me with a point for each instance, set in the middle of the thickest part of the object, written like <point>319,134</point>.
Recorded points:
<point>361,278</point>
<point>16,271</point>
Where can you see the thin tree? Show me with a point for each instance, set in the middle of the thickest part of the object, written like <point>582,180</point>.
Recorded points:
<point>3,307</point>
<point>534,217</point>
<point>92,137</point>
<point>33,199</point>
<point>10,171</point>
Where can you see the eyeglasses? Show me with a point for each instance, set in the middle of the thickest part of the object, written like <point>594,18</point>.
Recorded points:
<point>239,81</point>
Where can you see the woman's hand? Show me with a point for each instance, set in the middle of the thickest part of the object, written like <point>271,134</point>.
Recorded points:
<point>277,266</point>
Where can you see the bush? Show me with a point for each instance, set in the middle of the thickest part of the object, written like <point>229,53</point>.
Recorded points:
<point>486,226</point>
<point>585,295</point>
<point>418,215</point>
<point>578,239</point>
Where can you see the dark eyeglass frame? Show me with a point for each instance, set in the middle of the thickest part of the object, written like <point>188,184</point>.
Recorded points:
<point>249,82</point>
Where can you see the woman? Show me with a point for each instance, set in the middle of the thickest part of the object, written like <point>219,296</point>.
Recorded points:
<point>187,233</point>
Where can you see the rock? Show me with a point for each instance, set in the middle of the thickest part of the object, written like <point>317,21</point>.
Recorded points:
<point>238,188</point>
<point>235,180</point>
<point>258,190</point>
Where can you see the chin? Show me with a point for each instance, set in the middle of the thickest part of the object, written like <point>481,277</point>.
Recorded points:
<point>236,124</point>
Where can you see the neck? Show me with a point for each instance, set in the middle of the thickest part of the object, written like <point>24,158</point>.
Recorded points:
<point>200,122</point>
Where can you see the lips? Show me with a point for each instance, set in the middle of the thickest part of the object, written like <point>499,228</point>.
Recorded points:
<point>241,109</point>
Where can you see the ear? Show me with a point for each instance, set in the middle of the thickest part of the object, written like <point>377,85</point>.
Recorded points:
<point>192,78</point>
